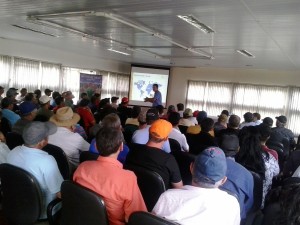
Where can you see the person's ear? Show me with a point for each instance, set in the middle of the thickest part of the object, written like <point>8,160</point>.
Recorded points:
<point>192,167</point>
<point>223,180</point>
<point>121,147</point>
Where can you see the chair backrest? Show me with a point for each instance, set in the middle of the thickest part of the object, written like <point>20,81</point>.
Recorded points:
<point>257,191</point>
<point>81,205</point>
<point>13,140</point>
<point>174,145</point>
<point>145,218</point>
<point>61,159</point>
<point>87,156</point>
<point>22,197</point>
<point>150,183</point>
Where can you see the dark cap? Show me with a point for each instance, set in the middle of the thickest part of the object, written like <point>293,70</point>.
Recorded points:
<point>201,116</point>
<point>174,118</point>
<point>268,121</point>
<point>11,92</point>
<point>229,143</point>
<point>248,116</point>
<point>26,108</point>
<point>36,131</point>
<point>152,114</point>
<point>125,100</point>
<point>114,98</point>
<point>281,119</point>
<point>48,90</point>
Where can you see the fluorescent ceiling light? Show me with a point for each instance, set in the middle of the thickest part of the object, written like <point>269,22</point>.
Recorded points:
<point>245,53</point>
<point>123,53</point>
<point>196,23</point>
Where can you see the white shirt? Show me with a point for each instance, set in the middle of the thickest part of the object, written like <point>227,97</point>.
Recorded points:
<point>178,136</point>
<point>247,124</point>
<point>297,172</point>
<point>4,150</point>
<point>71,143</point>
<point>198,206</point>
<point>193,120</point>
<point>186,122</point>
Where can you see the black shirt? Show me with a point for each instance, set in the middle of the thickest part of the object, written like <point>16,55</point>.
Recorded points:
<point>154,159</point>
<point>199,142</point>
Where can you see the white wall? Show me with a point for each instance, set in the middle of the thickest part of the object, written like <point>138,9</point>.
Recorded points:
<point>180,76</point>
<point>38,52</point>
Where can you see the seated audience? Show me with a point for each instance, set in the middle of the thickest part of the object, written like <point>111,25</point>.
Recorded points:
<point>150,156</point>
<point>225,111</point>
<point>188,119</point>
<point>221,124</point>
<point>68,96</point>
<point>48,92</point>
<point>86,115</point>
<point>171,108</point>
<point>175,134</point>
<point>123,111</point>
<point>114,101</point>
<point>65,138</point>
<point>196,129</point>
<point>229,143</point>
<point>105,176</point>
<point>256,118</point>
<point>55,94</point>
<point>141,136</point>
<point>31,97</point>
<point>44,110</point>
<point>268,121</point>
<point>94,104</point>
<point>4,150</point>
<point>59,102</point>
<point>7,111</point>
<point>12,94</point>
<point>180,109</point>
<point>160,110</point>
<point>202,202</point>
<point>20,98</point>
<point>133,120</point>
<point>232,126</point>
<point>265,132</point>
<point>40,164</point>
<point>28,113</point>
<point>248,120</point>
<point>83,95</point>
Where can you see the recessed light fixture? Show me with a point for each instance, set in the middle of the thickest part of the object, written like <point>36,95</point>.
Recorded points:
<point>245,53</point>
<point>196,23</point>
<point>113,50</point>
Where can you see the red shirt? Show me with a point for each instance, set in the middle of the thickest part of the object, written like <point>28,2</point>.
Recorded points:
<point>271,151</point>
<point>87,116</point>
<point>117,186</point>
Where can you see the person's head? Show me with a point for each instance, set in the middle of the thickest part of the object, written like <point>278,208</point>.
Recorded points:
<point>209,168</point>
<point>23,91</point>
<point>281,121</point>
<point>174,118</point>
<point>65,117</point>
<point>68,95</point>
<point>207,125</point>
<point>114,99</point>
<point>225,112</point>
<point>84,102</point>
<point>55,94</point>
<point>180,107</point>
<point>159,131</point>
<point>248,117</point>
<point>31,97</point>
<point>265,132</point>
<point>59,101</point>
<point>84,95</point>
<point>268,121</point>
<point>37,93</point>
<point>201,116</point>
<point>256,116</point>
<point>160,109</point>
<point>124,101</point>
<point>136,110</point>
<point>171,108</point>
<point>1,90</point>
<point>151,115</point>
<point>229,143</point>
<point>44,101</point>
<point>109,141</point>
<point>7,103</point>
<point>155,87</point>
<point>104,102</point>
<point>35,134</point>
<point>250,154</point>
<point>111,120</point>
<point>48,92</point>
<point>234,121</point>
<point>142,119</point>
<point>187,113</point>
<point>12,93</point>
<point>28,110</point>
<point>223,119</point>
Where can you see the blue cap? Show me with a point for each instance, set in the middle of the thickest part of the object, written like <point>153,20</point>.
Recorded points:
<point>201,116</point>
<point>210,166</point>
<point>26,108</point>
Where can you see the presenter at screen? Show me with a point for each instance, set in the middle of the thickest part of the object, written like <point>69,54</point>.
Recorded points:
<point>156,100</point>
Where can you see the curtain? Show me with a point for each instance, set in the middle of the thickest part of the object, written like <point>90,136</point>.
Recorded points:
<point>114,84</point>
<point>50,77</point>
<point>71,81</point>
<point>5,68</point>
<point>294,110</point>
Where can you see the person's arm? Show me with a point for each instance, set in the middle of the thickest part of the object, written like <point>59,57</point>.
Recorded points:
<point>149,100</point>
<point>177,185</point>
<point>185,145</point>
<point>58,194</point>
<point>175,176</point>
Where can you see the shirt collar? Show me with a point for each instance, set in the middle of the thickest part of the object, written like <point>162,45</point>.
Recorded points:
<point>110,160</point>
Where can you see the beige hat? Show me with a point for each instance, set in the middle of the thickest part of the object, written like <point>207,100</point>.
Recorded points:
<point>65,117</point>
<point>188,112</point>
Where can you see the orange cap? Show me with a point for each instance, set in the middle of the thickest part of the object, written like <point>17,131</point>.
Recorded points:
<point>160,129</point>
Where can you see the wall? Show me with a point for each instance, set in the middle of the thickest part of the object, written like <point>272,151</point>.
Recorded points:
<point>38,52</point>
<point>180,76</point>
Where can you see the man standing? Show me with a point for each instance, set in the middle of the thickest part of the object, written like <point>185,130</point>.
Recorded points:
<point>202,202</point>
<point>156,100</point>
<point>117,186</point>
<point>42,166</point>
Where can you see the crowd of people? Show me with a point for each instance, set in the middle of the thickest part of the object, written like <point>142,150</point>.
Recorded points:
<point>227,154</point>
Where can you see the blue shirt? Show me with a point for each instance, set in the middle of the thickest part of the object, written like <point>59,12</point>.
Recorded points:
<point>142,137</point>
<point>121,157</point>
<point>240,182</point>
<point>157,99</point>
<point>43,167</point>
<point>11,116</point>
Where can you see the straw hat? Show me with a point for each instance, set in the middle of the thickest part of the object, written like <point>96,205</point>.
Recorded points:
<point>65,117</point>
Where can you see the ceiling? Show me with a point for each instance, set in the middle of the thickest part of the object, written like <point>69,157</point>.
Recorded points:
<point>151,33</point>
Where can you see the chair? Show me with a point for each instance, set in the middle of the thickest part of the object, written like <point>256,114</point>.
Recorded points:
<point>150,183</point>
<point>184,160</point>
<point>183,129</point>
<point>257,191</point>
<point>13,140</point>
<point>129,129</point>
<point>81,206</point>
<point>174,145</point>
<point>61,159</point>
<point>87,156</point>
<point>22,197</point>
<point>145,218</point>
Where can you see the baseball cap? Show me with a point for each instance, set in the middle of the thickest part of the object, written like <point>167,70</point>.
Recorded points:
<point>114,98</point>
<point>26,108</point>
<point>160,129</point>
<point>36,131</point>
<point>11,92</point>
<point>188,112</point>
<point>268,121</point>
<point>125,100</point>
<point>210,166</point>
<point>48,90</point>
<point>201,116</point>
<point>152,114</point>
<point>229,143</point>
<point>44,99</point>
<point>281,119</point>
<point>195,113</point>
<point>174,118</point>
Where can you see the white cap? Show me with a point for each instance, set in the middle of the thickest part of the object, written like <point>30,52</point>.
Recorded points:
<point>44,99</point>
